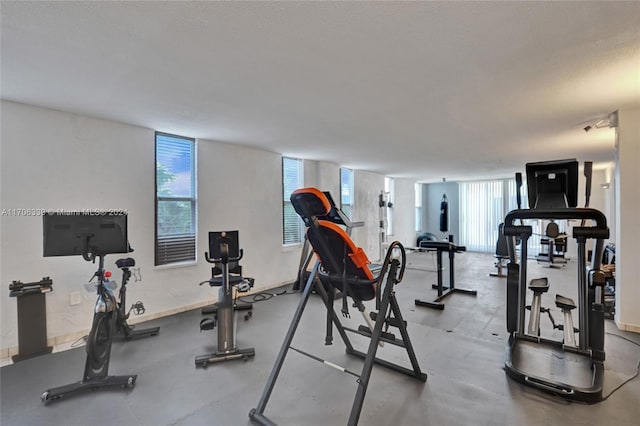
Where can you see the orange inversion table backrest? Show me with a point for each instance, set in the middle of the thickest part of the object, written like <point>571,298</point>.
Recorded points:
<point>335,248</point>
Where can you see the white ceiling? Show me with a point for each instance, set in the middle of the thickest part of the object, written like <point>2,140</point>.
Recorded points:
<point>422,90</point>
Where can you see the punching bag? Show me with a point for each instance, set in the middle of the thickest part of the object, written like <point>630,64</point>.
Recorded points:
<point>518,186</point>
<point>444,214</point>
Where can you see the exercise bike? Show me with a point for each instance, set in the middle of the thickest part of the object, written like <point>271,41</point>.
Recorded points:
<point>97,236</point>
<point>225,254</point>
<point>98,347</point>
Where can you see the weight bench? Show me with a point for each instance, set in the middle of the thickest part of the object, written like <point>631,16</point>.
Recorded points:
<point>342,266</point>
<point>501,254</point>
<point>556,243</point>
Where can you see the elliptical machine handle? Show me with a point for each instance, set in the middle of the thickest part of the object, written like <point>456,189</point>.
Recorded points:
<point>518,189</point>
<point>588,172</point>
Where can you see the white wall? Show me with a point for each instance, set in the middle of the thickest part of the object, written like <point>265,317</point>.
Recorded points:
<point>57,160</point>
<point>328,179</point>
<point>241,188</point>
<point>627,213</point>
<point>54,160</point>
<point>404,216</point>
<point>608,177</point>
<point>367,187</point>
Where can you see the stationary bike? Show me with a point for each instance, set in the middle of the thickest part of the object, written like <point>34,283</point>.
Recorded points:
<point>225,255</point>
<point>93,237</point>
<point>106,313</point>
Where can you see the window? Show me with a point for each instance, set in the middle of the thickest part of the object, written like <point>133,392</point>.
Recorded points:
<point>292,179</point>
<point>175,199</point>
<point>483,206</point>
<point>346,191</point>
<point>418,201</point>
<point>389,189</point>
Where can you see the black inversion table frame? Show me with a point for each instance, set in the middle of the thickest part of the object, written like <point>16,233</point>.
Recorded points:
<point>386,303</point>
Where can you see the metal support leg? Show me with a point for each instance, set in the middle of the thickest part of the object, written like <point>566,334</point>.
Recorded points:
<point>569,337</point>
<point>356,408</point>
<point>257,413</point>
<point>388,300</point>
<point>534,319</point>
<point>332,316</point>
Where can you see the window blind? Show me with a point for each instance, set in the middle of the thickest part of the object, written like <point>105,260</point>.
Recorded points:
<point>292,179</point>
<point>175,211</point>
<point>483,206</point>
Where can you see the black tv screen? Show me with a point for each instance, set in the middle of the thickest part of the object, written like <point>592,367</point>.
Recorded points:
<point>552,184</point>
<point>218,237</point>
<point>79,233</point>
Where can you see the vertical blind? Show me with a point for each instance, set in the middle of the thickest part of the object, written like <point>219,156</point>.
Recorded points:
<point>175,199</point>
<point>483,206</point>
<point>480,214</point>
<point>292,179</point>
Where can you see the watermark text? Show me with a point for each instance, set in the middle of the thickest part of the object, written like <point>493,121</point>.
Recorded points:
<point>69,212</point>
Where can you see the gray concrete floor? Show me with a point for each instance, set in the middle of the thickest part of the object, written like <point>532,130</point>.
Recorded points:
<point>461,349</point>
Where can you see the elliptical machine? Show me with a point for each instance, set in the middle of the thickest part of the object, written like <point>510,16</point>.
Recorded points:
<point>576,370</point>
<point>92,236</point>
<point>224,253</point>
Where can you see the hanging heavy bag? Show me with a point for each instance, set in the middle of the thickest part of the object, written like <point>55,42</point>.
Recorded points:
<point>444,214</point>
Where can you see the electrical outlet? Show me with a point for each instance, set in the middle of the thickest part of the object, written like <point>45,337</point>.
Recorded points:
<point>75,298</point>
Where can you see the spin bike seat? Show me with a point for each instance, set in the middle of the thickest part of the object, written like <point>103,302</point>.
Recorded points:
<point>127,262</point>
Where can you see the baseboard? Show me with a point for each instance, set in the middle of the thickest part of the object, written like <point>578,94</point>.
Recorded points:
<point>628,327</point>
<point>198,305</point>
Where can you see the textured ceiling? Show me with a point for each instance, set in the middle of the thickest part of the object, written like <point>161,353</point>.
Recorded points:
<point>422,90</point>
